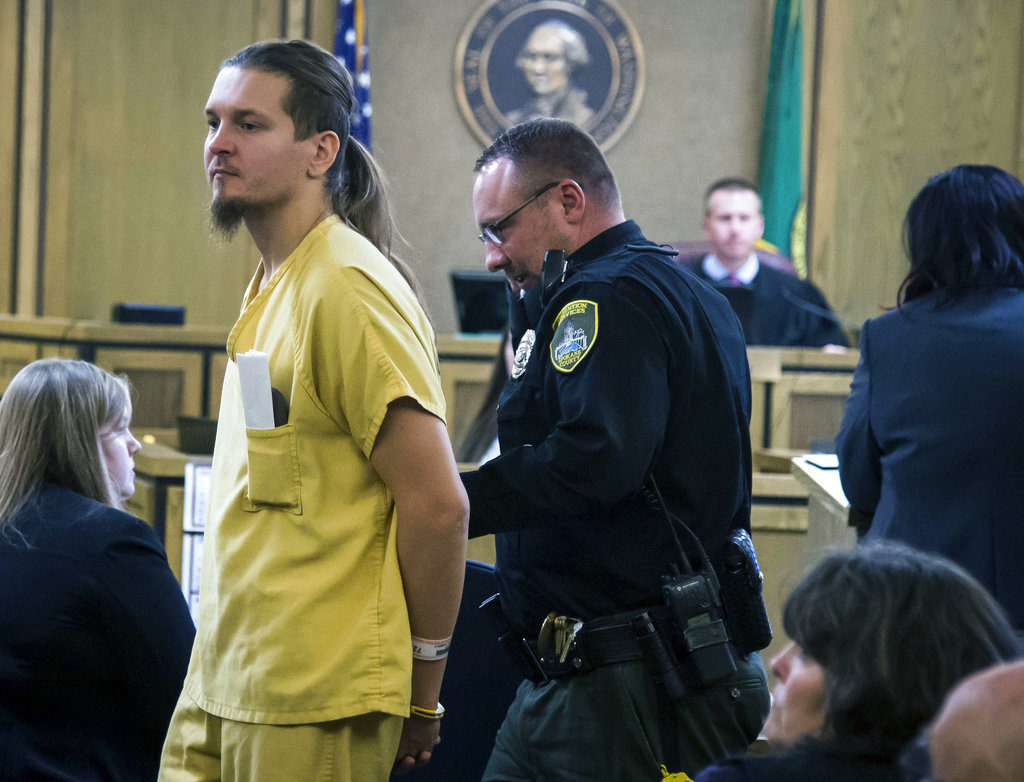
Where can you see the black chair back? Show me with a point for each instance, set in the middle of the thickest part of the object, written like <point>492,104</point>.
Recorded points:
<point>479,683</point>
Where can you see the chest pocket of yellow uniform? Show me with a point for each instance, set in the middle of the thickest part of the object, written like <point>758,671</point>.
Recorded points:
<point>273,459</point>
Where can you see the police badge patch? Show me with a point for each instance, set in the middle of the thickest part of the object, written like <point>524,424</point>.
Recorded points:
<point>523,353</point>
<point>575,332</point>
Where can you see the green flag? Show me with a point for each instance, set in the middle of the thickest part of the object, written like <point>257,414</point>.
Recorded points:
<point>779,179</point>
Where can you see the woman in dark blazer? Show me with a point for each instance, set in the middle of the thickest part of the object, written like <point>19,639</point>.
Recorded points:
<point>94,630</point>
<point>879,635</point>
<point>932,442</point>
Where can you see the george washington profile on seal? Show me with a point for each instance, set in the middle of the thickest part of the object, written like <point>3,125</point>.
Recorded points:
<point>551,53</point>
<point>577,60</point>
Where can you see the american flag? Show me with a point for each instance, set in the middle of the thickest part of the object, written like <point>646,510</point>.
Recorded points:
<point>352,48</point>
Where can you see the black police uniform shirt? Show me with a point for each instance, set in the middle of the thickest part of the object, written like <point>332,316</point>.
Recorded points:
<point>637,367</point>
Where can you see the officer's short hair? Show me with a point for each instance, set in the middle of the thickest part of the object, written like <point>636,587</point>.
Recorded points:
<point>546,149</point>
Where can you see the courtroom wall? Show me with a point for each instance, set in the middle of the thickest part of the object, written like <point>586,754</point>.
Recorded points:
<point>908,88</point>
<point>699,120</point>
<point>103,199</point>
<point>112,195</point>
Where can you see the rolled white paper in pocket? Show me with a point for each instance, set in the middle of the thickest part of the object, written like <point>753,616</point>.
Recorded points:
<point>254,379</point>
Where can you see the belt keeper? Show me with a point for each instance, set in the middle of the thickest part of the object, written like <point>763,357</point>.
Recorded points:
<point>422,649</point>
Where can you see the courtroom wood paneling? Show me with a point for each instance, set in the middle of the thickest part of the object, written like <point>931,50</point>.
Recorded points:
<point>765,369</point>
<point>174,508</point>
<point>159,497</point>
<point>9,54</point>
<point>481,549</point>
<point>141,503</point>
<point>465,385</point>
<point>311,19</point>
<point>218,365</point>
<point>16,353</point>
<point>62,208</point>
<point>125,217</point>
<point>31,132</point>
<point>909,88</point>
<point>57,351</point>
<point>323,17</point>
<point>699,120</point>
<point>467,363</point>
<point>127,213</point>
<point>14,356</point>
<point>166,384</point>
<point>781,555</point>
<point>807,407</point>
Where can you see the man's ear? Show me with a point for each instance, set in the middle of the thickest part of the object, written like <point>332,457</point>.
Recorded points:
<point>572,199</point>
<point>705,227</point>
<point>325,150</point>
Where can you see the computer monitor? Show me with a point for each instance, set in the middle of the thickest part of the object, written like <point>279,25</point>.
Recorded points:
<point>480,303</point>
<point>742,300</point>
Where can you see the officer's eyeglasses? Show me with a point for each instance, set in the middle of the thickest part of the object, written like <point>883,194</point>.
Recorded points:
<point>493,231</point>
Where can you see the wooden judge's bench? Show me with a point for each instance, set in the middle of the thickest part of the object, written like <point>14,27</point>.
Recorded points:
<point>797,402</point>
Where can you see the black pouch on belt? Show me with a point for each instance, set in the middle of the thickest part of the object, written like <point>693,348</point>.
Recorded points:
<point>515,646</point>
<point>741,581</point>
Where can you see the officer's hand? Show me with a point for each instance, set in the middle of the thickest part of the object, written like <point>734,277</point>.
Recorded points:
<point>419,737</point>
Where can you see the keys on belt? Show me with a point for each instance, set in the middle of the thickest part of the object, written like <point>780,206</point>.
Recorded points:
<point>557,637</point>
<point>566,645</point>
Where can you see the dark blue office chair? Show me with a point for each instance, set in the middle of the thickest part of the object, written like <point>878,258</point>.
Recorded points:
<point>479,683</point>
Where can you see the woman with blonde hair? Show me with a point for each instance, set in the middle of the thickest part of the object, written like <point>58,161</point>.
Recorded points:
<point>94,630</point>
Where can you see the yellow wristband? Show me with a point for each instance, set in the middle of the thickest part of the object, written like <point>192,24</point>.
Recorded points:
<point>427,714</point>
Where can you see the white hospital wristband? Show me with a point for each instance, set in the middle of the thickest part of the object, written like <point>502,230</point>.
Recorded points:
<point>422,649</point>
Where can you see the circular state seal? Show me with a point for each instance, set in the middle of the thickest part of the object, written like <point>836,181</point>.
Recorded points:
<point>578,60</point>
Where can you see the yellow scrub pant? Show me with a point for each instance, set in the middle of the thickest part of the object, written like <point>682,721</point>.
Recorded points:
<point>202,748</point>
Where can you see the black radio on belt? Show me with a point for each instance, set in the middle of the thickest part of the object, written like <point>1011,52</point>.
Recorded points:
<point>694,600</point>
<point>695,605</point>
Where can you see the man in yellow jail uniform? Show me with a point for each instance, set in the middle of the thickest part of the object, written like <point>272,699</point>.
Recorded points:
<point>335,544</point>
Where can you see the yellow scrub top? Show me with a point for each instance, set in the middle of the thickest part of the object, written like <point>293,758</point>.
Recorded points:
<point>302,617</point>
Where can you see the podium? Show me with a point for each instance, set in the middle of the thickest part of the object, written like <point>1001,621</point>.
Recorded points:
<point>829,523</point>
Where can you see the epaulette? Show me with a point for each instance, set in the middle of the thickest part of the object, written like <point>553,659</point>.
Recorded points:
<point>662,249</point>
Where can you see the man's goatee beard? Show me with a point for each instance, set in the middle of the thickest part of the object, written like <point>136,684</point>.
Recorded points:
<point>227,214</point>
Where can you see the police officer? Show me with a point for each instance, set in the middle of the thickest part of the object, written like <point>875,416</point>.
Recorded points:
<point>635,371</point>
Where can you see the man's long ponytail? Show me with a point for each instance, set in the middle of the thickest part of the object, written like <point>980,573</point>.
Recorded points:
<point>362,201</point>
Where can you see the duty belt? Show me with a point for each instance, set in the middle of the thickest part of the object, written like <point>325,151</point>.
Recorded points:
<point>586,645</point>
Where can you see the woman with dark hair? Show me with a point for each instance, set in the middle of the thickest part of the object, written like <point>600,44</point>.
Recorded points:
<point>95,634</point>
<point>878,636</point>
<point>931,448</point>
<point>964,231</point>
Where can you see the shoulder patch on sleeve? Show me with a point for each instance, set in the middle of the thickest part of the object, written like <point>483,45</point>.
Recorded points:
<point>575,332</point>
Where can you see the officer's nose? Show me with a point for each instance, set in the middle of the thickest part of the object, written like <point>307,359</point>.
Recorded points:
<point>494,259</point>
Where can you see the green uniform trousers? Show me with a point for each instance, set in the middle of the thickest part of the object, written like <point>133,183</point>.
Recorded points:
<point>616,723</point>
